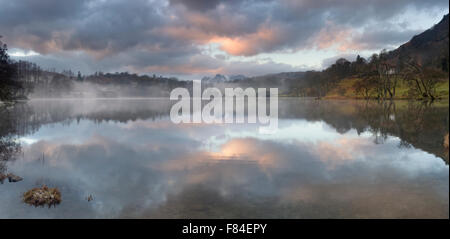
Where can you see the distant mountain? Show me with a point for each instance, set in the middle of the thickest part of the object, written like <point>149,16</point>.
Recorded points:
<point>280,80</point>
<point>280,76</point>
<point>430,48</point>
<point>218,78</point>
<point>237,77</point>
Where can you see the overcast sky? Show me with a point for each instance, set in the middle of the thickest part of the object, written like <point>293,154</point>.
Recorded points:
<point>193,38</point>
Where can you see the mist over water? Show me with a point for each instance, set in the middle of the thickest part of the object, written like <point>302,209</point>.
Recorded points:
<point>89,90</point>
<point>329,159</point>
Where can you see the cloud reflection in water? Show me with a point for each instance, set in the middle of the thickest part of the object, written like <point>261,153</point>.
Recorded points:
<point>152,169</point>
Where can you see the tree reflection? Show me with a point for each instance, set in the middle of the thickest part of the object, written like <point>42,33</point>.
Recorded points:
<point>9,147</point>
<point>418,124</point>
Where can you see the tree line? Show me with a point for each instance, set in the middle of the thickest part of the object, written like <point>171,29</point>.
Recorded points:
<point>377,77</point>
<point>19,79</point>
<point>9,85</point>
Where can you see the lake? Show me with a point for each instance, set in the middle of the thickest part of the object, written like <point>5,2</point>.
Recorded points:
<point>328,159</point>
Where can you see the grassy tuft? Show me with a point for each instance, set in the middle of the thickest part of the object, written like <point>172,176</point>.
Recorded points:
<point>42,196</point>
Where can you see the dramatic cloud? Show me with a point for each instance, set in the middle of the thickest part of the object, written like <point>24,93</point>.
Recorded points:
<point>171,36</point>
<point>201,5</point>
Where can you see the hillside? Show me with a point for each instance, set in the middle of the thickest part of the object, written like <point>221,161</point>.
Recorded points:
<point>421,62</point>
<point>431,47</point>
<point>345,89</point>
<point>429,51</point>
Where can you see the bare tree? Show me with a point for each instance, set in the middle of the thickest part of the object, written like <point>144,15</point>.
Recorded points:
<point>422,80</point>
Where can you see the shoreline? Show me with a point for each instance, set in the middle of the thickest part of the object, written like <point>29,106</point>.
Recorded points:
<point>363,98</point>
<point>443,99</point>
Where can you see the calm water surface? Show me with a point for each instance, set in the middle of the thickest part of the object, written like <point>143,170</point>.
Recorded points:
<point>329,159</point>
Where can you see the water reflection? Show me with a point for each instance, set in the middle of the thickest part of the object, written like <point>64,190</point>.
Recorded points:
<point>329,159</point>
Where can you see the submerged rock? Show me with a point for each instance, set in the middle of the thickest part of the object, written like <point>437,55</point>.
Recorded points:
<point>42,196</point>
<point>89,198</point>
<point>446,141</point>
<point>13,178</point>
<point>2,177</point>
